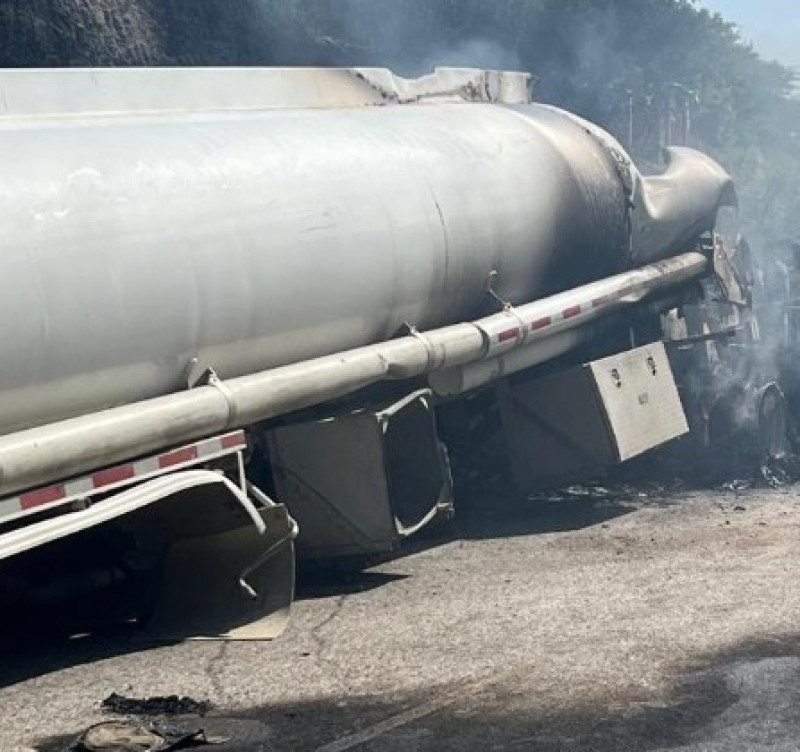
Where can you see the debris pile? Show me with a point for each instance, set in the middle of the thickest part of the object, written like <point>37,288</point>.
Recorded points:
<point>130,736</point>
<point>170,705</point>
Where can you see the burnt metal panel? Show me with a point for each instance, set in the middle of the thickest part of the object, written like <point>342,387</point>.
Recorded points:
<point>639,399</point>
<point>580,421</point>
<point>361,482</point>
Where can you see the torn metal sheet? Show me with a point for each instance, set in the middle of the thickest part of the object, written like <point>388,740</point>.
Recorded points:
<point>229,567</point>
<point>451,84</point>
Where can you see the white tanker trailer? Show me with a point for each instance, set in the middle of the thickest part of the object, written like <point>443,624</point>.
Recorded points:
<point>237,298</point>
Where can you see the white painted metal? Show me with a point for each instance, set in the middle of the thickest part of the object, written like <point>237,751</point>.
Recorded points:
<point>577,422</point>
<point>147,225</point>
<point>80,91</point>
<point>37,456</point>
<point>462,379</point>
<point>113,478</point>
<point>549,328</point>
<point>235,585</point>
<point>124,503</point>
<point>347,477</point>
<point>236,581</point>
<point>640,400</point>
<point>506,87</point>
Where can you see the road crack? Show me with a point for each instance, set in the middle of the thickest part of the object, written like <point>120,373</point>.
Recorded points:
<point>320,642</point>
<point>212,671</point>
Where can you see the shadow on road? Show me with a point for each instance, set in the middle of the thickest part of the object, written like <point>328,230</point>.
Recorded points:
<point>536,517</point>
<point>320,581</point>
<point>44,651</point>
<point>739,700</point>
<point>505,516</point>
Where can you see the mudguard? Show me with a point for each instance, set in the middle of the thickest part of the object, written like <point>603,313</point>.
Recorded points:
<point>229,562</point>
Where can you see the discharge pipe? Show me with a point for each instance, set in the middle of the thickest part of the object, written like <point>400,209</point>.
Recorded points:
<point>50,453</point>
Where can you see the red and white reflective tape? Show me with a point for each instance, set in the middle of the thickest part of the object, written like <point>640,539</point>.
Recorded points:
<point>515,327</point>
<point>537,322</point>
<point>503,332</point>
<point>574,307</point>
<point>507,335</point>
<point>110,478</point>
<point>541,323</point>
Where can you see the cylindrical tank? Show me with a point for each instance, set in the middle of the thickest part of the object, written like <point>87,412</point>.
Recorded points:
<point>131,244</point>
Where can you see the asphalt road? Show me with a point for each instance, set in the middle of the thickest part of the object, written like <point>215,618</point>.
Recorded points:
<point>668,623</point>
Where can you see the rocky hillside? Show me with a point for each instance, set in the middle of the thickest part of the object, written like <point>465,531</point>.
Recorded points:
<point>152,32</point>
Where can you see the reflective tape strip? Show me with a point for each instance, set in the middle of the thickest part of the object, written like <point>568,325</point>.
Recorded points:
<point>234,440</point>
<point>509,334</point>
<point>178,457</point>
<point>113,475</point>
<point>41,497</point>
<point>503,331</point>
<point>124,475</point>
<point>574,311</point>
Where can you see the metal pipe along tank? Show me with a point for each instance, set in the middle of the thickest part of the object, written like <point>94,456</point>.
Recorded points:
<point>136,242</point>
<point>40,455</point>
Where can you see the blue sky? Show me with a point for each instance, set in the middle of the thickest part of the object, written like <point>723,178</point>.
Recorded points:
<point>772,25</point>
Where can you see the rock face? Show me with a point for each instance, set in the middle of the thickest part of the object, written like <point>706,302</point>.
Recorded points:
<point>79,32</point>
<point>37,33</point>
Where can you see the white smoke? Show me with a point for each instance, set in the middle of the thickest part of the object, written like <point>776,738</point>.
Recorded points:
<point>473,53</point>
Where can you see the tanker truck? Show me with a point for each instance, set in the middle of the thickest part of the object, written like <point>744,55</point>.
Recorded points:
<point>239,304</point>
